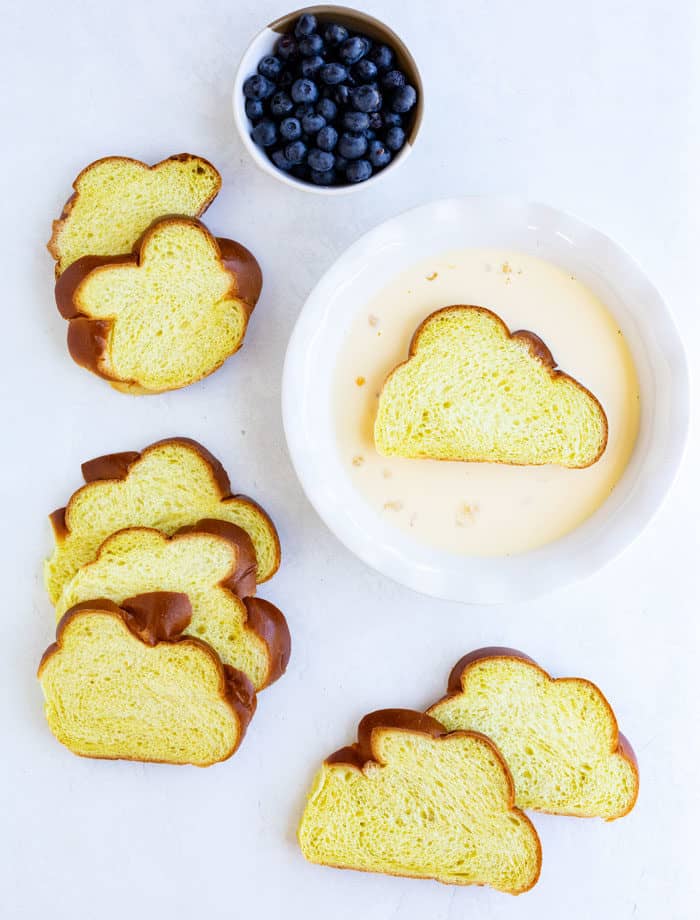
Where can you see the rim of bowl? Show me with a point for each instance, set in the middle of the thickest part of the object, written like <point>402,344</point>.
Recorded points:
<point>373,27</point>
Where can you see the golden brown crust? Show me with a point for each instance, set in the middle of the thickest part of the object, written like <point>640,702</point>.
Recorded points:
<point>116,467</point>
<point>460,674</point>
<point>270,624</point>
<point>57,225</point>
<point>243,581</point>
<point>88,337</point>
<point>537,349</point>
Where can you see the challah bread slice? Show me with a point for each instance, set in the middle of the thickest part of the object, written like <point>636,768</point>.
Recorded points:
<point>559,737</point>
<point>116,198</point>
<point>204,563</point>
<point>411,799</point>
<point>471,390</point>
<point>169,485</point>
<point>164,317</point>
<point>122,683</point>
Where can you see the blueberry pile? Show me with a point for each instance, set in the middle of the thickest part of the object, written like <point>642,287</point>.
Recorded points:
<point>330,106</point>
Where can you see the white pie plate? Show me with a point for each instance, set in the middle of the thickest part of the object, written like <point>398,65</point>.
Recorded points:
<point>366,267</point>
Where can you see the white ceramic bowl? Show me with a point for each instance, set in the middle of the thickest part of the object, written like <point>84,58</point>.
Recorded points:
<point>599,263</point>
<point>264,43</point>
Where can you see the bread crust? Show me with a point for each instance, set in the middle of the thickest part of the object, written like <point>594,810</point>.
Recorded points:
<point>156,619</point>
<point>88,338</point>
<point>537,349</point>
<point>363,751</point>
<point>116,467</point>
<point>621,745</point>
<point>57,225</point>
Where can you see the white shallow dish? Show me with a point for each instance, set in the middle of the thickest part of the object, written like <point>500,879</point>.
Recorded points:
<point>365,268</point>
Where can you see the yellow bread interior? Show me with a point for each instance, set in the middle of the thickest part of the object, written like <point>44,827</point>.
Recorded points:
<point>169,487</point>
<point>117,199</point>
<point>431,808</point>
<point>140,561</point>
<point>471,391</point>
<point>173,317</point>
<point>558,737</point>
<point>110,695</point>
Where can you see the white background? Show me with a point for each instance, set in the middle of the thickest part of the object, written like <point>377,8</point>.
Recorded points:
<point>589,106</point>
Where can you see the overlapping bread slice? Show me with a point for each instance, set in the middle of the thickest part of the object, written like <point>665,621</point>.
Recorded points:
<point>559,737</point>
<point>471,390</point>
<point>165,316</point>
<point>116,198</point>
<point>167,486</point>
<point>124,683</point>
<point>213,564</point>
<point>412,799</point>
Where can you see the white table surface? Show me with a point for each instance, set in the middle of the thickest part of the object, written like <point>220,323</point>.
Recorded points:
<point>590,106</point>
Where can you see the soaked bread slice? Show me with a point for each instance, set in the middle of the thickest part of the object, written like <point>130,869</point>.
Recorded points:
<point>170,485</point>
<point>124,684</point>
<point>209,563</point>
<point>473,391</point>
<point>559,737</point>
<point>166,316</point>
<point>116,198</point>
<point>411,799</point>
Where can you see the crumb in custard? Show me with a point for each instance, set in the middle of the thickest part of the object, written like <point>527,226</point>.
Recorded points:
<point>431,277</point>
<point>358,460</point>
<point>386,473</point>
<point>393,506</point>
<point>466,514</point>
<point>360,381</point>
<point>373,320</point>
<point>449,265</point>
<point>506,269</point>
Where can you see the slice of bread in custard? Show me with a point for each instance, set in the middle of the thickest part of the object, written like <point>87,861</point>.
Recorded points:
<point>472,390</point>
<point>411,799</point>
<point>123,683</point>
<point>169,485</point>
<point>211,563</point>
<point>116,198</point>
<point>164,317</point>
<point>559,737</point>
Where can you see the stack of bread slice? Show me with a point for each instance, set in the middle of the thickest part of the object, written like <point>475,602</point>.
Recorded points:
<point>161,643</point>
<point>440,794</point>
<point>153,300</point>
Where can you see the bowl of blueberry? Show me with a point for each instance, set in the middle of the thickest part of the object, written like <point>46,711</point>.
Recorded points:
<point>328,99</point>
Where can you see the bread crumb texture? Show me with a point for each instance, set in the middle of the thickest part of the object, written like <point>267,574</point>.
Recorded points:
<point>429,808</point>
<point>558,737</point>
<point>472,391</point>
<point>117,198</point>
<point>110,695</point>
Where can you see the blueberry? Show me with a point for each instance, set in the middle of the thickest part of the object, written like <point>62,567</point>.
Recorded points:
<point>310,66</point>
<point>395,138</point>
<point>312,123</point>
<point>287,48</point>
<point>335,34</point>
<point>327,177</point>
<point>295,152</point>
<point>379,155</point>
<point>364,71</point>
<point>258,87</point>
<point>327,138</point>
<point>353,49</point>
<point>265,133</point>
<point>358,171</point>
<point>369,134</point>
<point>270,67</point>
<point>254,109</point>
<point>280,160</point>
<point>356,121</point>
<point>310,45</point>
<point>392,118</point>
<point>327,108</point>
<point>404,99</point>
<point>376,121</point>
<point>320,160</point>
<point>366,98</point>
<point>306,24</point>
<point>304,91</point>
<point>281,105</point>
<point>301,111</point>
<point>333,73</point>
<point>382,56</point>
<point>342,94</point>
<point>393,79</point>
<point>352,146</point>
<point>290,129</point>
